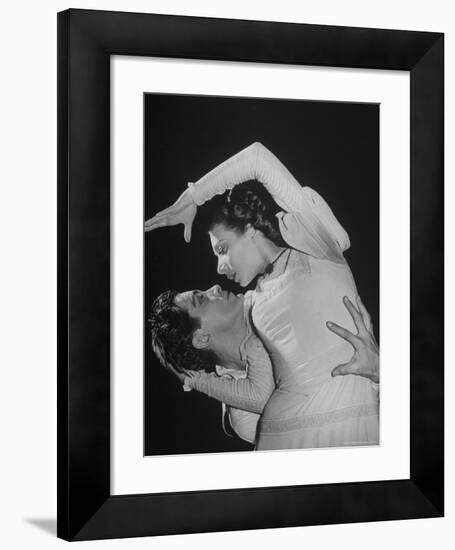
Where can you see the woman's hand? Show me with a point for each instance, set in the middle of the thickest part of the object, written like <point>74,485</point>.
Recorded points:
<point>365,360</point>
<point>182,211</point>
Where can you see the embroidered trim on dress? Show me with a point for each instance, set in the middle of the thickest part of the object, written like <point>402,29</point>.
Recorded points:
<point>268,288</point>
<point>318,419</point>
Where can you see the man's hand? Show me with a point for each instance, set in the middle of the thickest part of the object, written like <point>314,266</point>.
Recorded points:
<point>182,211</point>
<point>365,360</point>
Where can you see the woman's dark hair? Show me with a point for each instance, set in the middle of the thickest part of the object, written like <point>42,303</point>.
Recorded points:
<point>248,204</point>
<point>172,331</point>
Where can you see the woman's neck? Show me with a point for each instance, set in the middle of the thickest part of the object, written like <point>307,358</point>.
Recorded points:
<point>270,252</point>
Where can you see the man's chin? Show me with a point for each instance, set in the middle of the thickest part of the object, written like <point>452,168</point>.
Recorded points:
<point>234,297</point>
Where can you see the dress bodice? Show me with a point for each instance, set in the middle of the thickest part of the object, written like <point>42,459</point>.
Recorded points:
<point>291,306</point>
<point>290,311</point>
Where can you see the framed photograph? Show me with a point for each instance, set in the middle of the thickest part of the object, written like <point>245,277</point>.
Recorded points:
<point>204,382</point>
<point>310,132</point>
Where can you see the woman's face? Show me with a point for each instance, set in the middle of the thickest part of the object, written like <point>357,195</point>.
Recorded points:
<point>239,257</point>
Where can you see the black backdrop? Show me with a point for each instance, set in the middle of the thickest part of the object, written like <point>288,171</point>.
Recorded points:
<point>332,147</point>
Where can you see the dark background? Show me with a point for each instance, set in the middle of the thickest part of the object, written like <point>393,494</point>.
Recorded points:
<point>331,147</point>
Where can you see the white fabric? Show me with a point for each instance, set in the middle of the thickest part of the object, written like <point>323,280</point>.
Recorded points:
<point>243,393</point>
<point>308,408</point>
<point>243,423</point>
<point>308,224</point>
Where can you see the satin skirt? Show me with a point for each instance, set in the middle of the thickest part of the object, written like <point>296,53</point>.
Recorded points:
<point>342,411</point>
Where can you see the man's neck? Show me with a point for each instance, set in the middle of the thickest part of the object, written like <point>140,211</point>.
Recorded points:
<point>228,347</point>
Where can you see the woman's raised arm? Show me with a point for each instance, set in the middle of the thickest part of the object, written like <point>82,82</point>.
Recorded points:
<point>307,223</point>
<point>255,162</point>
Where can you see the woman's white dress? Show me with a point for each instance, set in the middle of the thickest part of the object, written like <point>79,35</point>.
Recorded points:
<point>290,307</point>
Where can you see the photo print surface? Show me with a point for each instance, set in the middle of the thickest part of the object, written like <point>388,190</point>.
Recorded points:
<point>279,203</point>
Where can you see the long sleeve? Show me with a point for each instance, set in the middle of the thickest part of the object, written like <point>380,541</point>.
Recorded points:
<point>307,223</point>
<point>314,229</point>
<point>254,162</point>
<point>250,393</point>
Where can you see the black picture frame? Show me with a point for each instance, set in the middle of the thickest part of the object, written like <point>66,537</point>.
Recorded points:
<point>86,509</point>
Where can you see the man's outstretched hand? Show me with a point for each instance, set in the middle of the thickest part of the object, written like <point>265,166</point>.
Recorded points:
<point>365,359</point>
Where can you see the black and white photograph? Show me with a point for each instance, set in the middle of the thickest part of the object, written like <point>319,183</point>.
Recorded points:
<point>261,274</point>
<point>223,266</point>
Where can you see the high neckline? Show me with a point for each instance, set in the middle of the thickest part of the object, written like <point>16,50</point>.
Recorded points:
<point>279,265</point>
<point>270,267</point>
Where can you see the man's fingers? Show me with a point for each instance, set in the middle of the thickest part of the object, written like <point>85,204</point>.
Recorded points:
<point>344,368</point>
<point>356,317</point>
<point>343,333</point>
<point>365,315</point>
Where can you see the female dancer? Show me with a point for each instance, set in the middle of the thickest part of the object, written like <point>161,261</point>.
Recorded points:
<point>298,256</point>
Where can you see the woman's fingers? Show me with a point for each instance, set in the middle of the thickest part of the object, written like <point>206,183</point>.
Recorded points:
<point>187,232</point>
<point>343,333</point>
<point>157,217</point>
<point>152,221</point>
<point>182,211</point>
<point>155,224</point>
<point>167,212</point>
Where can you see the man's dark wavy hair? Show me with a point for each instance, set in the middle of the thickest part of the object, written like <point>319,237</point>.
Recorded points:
<point>172,332</point>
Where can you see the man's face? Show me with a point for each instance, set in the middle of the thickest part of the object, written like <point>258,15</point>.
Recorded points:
<point>217,310</point>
